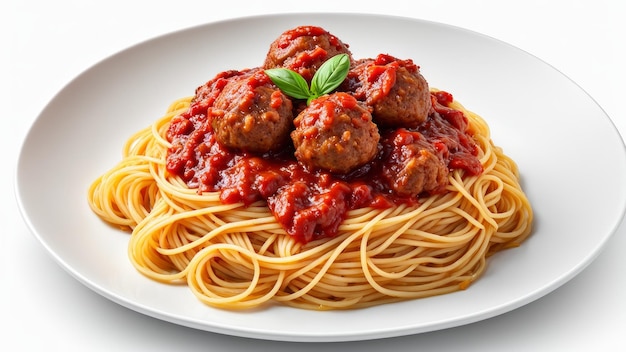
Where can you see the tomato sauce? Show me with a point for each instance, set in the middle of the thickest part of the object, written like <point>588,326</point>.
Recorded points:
<point>309,204</point>
<point>287,38</point>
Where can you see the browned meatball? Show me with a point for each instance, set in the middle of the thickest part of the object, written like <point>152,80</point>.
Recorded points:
<point>335,133</point>
<point>395,90</point>
<point>413,166</point>
<point>251,114</point>
<point>304,49</point>
<point>206,94</point>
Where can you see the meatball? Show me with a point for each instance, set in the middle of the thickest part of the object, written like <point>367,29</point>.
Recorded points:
<point>251,114</point>
<point>413,166</point>
<point>206,94</point>
<point>304,49</point>
<point>395,90</point>
<point>335,133</point>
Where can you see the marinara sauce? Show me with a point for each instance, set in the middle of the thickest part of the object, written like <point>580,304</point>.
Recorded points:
<point>309,204</point>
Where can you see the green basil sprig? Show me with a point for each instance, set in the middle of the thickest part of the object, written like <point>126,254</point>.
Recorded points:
<point>327,77</point>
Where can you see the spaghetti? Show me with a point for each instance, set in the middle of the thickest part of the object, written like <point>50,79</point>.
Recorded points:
<point>237,256</point>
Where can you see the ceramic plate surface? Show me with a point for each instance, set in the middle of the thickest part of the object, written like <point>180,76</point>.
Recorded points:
<point>572,162</point>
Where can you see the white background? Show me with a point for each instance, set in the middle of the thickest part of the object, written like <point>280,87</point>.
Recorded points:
<point>45,44</point>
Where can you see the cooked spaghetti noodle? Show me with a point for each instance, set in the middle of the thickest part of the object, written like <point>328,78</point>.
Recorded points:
<point>238,256</point>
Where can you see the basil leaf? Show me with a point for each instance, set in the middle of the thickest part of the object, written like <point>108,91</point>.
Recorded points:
<point>327,77</point>
<point>290,82</point>
<point>330,75</point>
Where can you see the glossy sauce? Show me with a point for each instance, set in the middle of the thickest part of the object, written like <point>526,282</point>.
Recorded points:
<point>305,58</point>
<point>309,204</point>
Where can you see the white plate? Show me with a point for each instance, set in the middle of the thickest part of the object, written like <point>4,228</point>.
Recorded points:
<point>572,162</point>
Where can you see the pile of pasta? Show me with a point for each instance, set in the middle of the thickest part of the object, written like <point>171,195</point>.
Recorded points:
<point>236,257</point>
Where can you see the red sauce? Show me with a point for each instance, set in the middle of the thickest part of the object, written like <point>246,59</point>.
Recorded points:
<point>314,54</point>
<point>308,204</point>
<point>306,31</point>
